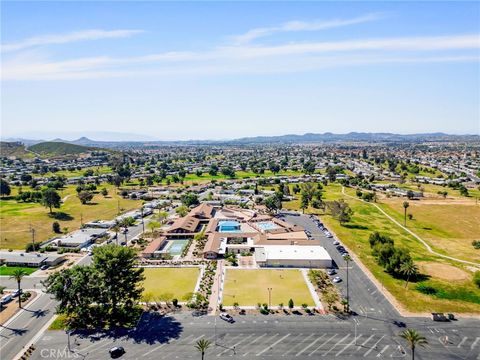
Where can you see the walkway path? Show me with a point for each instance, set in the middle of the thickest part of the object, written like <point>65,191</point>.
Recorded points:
<point>411,232</point>
<point>217,287</point>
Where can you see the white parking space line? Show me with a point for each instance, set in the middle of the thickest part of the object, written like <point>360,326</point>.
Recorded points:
<point>196,339</point>
<point>383,350</point>
<point>309,345</point>
<point>271,346</point>
<point>366,341</point>
<point>254,340</point>
<point>94,344</point>
<point>474,343</point>
<point>154,349</point>
<point>373,347</point>
<point>301,343</point>
<point>338,342</point>
<point>325,342</point>
<point>236,344</point>
<point>346,347</point>
<point>461,342</point>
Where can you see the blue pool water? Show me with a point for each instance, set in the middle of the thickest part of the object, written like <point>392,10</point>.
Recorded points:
<point>228,226</point>
<point>267,225</point>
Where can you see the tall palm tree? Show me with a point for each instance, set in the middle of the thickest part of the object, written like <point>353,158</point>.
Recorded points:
<point>413,338</point>
<point>347,260</point>
<point>405,206</point>
<point>116,228</point>
<point>409,269</point>
<point>18,275</point>
<point>202,345</point>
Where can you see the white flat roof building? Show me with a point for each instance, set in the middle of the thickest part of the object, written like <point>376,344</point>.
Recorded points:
<point>292,256</point>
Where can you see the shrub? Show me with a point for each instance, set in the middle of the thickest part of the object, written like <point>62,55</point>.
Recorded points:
<point>476,278</point>
<point>56,227</point>
<point>290,304</point>
<point>426,289</point>
<point>175,302</point>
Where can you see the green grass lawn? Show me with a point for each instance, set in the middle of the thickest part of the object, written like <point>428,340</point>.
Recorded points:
<point>249,287</point>
<point>16,217</point>
<point>177,282</point>
<point>8,270</point>
<point>75,173</point>
<point>448,227</point>
<point>367,219</point>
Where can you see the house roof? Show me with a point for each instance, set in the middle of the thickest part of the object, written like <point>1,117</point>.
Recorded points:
<point>203,211</point>
<point>154,245</point>
<point>187,223</point>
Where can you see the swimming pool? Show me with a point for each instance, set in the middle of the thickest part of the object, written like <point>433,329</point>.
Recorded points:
<point>228,226</point>
<point>267,225</point>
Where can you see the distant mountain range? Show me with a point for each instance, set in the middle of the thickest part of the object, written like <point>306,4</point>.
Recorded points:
<point>290,138</point>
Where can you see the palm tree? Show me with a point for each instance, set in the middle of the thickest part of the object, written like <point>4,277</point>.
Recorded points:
<point>347,260</point>
<point>202,345</point>
<point>409,269</point>
<point>18,275</point>
<point>116,228</point>
<point>414,338</point>
<point>405,206</point>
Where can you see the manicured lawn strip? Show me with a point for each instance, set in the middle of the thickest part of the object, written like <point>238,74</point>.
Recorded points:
<point>175,281</point>
<point>76,173</point>
<point>16,217</point>
<point>8,270</point>
<point>249,287</point>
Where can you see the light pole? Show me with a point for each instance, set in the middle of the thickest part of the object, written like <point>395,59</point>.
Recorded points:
<point>269,297</point>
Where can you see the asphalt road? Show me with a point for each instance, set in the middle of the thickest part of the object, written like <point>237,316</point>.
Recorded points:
<point>268,337</point>
<point>365,299</point>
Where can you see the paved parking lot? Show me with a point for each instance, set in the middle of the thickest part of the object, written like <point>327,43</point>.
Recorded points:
<point>260,337</point>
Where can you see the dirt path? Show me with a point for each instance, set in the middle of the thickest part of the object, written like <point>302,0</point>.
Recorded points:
<point>411,232</point>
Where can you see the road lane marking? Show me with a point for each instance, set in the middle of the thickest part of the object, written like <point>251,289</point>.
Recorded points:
<point>325,342</point>
<point>338,342</point>
<point>309,345</point>
<point>474,343</point>
<point>271,346</point>
<point>373,347</point>
<point>461,342</point>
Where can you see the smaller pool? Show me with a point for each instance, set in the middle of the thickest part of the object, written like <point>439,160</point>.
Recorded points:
<point>267,225</point>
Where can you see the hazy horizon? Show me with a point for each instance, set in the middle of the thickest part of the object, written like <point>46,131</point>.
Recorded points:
<point>179,71</point>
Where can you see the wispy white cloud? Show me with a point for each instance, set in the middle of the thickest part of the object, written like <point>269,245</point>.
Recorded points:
<point>290,57</point>
<point>68,38</point>
<point>292,26</point>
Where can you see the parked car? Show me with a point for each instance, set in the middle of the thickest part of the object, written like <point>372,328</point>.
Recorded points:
<point>5,299</point>
<point>116,351</point>
<point>439,317</point>
<point>16,293</point>
<point>44,267</point>
<point>345,254</point>
<point>226,317</point>
<point>336,242</point>
<point>337,279</point>
<point>331,271</point>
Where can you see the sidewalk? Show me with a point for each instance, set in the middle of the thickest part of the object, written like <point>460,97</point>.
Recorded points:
<point>217,287</point>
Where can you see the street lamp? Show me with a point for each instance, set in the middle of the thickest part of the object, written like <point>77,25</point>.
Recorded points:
<point>269,297</point>
<point>347,260</point>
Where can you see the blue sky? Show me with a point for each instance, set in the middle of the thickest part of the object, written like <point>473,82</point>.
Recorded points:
<point>225,70</point>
